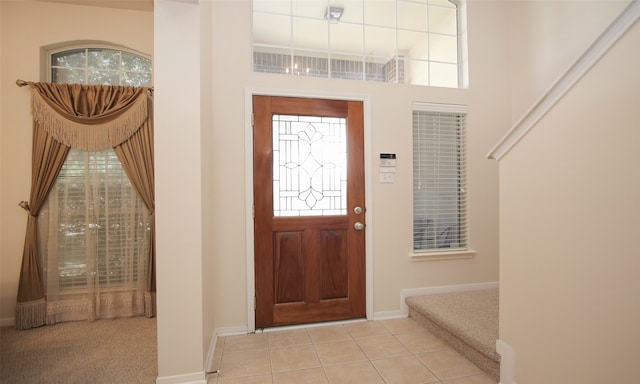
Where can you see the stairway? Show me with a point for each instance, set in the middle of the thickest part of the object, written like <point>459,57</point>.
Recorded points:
<point>467,321</point>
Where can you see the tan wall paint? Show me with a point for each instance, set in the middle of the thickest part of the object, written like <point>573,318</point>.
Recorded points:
<point>219,260</point>
<point>179,178</point>
<point>570,220</point>
<point>223,285</point>
<point>546,37</point>
<point>25,27</point>
<point>209,304</point>
<point>390,107</point>
<point>390,131</point>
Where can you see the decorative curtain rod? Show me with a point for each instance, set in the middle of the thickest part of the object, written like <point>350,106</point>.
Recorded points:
<point>22,83</point>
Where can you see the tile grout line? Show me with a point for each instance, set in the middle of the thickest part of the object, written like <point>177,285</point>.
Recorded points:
<point>269,353</point>
<point>323,366</point>
<point>424,364</point>
<point>350,337</point>
<point>413,354</point>
<point>367,356</point>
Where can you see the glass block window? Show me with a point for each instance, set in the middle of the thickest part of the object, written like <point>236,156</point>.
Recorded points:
<point>418,42</point>
<point>309,166</point>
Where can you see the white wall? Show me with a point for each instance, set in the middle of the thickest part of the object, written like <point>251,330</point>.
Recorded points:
<point>570,220</point>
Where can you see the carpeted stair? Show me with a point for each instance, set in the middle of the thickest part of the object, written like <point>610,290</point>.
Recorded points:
<point>468,321</point>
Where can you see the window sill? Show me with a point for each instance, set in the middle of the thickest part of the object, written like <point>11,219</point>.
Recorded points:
<point>447,255</point>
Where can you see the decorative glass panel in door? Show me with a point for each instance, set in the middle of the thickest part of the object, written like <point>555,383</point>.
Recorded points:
<point>309,166</point>
<point>309,213</point>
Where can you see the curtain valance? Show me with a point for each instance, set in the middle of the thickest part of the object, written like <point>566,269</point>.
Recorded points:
<point>89,117</point>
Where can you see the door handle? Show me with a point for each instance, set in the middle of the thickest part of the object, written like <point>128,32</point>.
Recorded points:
<point>358,226</point>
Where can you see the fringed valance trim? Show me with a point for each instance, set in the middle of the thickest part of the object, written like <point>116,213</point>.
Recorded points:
<point>89,136</point>
<point>150,304</point>
<point>31,314</point>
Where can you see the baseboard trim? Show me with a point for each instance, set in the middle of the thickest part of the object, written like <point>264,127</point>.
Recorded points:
<point>223,331</point>
<point>7,322</point>
<point>189,378</point>
<point>404,293</point>
<point>385,315</point>
<point>231,331</point>
<point>208,367</point>
<point>388,315</point>
<point>507,362</point>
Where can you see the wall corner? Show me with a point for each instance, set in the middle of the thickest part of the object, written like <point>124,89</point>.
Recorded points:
<point>507,362</point>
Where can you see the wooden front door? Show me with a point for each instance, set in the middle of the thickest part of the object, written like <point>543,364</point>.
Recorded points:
<point>308,176</point>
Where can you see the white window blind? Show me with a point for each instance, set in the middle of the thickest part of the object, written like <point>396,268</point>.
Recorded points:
<point>439,189</point>
<point>104,226</point>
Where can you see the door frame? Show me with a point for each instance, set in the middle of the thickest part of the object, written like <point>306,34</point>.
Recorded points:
<point>368,169</point>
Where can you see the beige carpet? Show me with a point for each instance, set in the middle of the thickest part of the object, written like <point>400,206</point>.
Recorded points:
<point>468,321</point>
<point>103,351</point>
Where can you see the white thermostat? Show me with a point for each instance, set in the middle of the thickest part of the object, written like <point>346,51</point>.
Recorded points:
<point>387,167</point>
<point>387,159</point>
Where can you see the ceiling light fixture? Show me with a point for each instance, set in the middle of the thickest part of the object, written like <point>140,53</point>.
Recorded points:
<point>333,14</point>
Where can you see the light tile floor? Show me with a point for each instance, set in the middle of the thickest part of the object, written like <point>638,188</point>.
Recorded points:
<point>397,351</point>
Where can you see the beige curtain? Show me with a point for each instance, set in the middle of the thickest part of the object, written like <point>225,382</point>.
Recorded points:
<point>88,117</point>
<point>136,156</point>
<point>48,156</point>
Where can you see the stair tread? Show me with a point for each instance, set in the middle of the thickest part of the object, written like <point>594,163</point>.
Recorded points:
<point>472,316</point>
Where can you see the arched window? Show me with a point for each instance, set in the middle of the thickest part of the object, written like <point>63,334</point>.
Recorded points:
<point>95,228</point>
<point>95,63</point>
